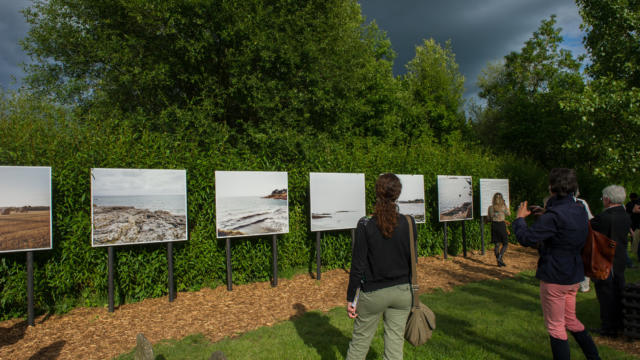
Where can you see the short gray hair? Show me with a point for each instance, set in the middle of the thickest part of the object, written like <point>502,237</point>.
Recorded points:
<point>615,194</point>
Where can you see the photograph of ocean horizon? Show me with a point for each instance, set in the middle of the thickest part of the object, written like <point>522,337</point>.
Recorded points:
<point>251,203</point>
<point>455,198</point>
<point>411,200</point>
<point>25,208</point>
<point>337,200</point>
<point>133,206</point>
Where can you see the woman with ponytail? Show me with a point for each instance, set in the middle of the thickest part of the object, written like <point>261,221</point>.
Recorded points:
<point>381,274</point>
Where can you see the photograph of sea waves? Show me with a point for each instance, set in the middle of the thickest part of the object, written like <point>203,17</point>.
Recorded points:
<point>251,203</point>
<point>133,206</point>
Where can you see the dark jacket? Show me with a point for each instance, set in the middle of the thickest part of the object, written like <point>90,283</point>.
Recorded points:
<point>559,234</point>
<point>378,262</point>
<point>615,223</point>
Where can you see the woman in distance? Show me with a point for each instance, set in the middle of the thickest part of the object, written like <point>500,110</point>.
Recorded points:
<point>381,270</point>
<point>498,211</point>
<point>559,234</point>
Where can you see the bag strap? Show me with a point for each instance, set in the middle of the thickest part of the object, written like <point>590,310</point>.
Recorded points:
<point>414,273</point>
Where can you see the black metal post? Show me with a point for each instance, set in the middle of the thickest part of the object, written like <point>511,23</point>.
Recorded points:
<point>274,250</point>
<point>464,239</point>
<point>110,250</point>
<point>229,264</point>
<point>30,313</point>
<point>482,234</point>
<point>318,255</point>
<point>170,270</point>
<point>353,238</point>
<point>445,240</point>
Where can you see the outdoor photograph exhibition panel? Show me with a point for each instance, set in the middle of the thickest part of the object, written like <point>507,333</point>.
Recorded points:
<point>25,208</point>
<point>411,200</point>
<point>455,198</point>
<point>251,203</point>
<point>138,206</point>
<point>337,200</point>
<point>489,187</point>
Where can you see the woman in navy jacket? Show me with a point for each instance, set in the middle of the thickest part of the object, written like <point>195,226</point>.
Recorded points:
<point>559,234</point>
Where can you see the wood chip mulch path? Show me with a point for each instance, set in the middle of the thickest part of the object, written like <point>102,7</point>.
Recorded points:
<point>94,333</point>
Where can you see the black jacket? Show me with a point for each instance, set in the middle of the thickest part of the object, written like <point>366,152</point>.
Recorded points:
<point>559,234</point>
<point>377,262</point>
<point>615,223</point>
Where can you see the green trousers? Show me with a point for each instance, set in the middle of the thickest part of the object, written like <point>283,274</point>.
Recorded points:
<point>394,303</point>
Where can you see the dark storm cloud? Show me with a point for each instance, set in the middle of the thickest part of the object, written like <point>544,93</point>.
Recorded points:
<point>12,29</point>
<point>480,31</point>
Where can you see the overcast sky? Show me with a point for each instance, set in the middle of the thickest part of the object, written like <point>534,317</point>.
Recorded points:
<point>249,183</point>
<point>332,192</point>
<point>412,187</point>
<point>480,31</point>
<point>138,182</point>
<point>21,186</point>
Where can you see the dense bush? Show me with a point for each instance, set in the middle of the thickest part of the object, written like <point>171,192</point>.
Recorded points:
<point>74,273</point>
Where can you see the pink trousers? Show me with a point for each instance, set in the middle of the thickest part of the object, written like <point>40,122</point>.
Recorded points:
<point>559,309</point>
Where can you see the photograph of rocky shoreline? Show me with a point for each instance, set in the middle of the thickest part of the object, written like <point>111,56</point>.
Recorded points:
<point>25,208</point>
<point>134,206</point>
<point>251,203</point>
<point>455,198</point>
<point>411,200</point>
<point>488,187</point>
<point>337,200</point>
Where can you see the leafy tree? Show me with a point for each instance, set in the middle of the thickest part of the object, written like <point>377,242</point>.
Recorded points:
<point>609,133</point>
<point>434,89</point>
<point>252,65</point>
<point>522,113</point>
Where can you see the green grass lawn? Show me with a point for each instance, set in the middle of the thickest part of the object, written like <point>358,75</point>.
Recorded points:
<point>484,320</point>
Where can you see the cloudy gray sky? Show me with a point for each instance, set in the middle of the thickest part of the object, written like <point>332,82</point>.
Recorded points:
<point>138,182</point>
<point>480,31</point>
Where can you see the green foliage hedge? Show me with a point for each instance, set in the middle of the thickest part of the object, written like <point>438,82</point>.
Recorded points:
<point>74,273</point>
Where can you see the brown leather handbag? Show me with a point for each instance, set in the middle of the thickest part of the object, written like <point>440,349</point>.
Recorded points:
<point>421,321</point>
<point>597,255</point>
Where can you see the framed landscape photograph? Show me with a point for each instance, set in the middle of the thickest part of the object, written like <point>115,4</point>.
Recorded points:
<point>25,208</point>
<point>138,206</point>
<point>455,198</point>
<point>411,200</point>
<point>337,200</point>
<point>489,187</point>
<point>251,203</point>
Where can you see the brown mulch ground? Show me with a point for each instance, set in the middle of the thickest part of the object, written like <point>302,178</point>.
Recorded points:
<point>94,333</point>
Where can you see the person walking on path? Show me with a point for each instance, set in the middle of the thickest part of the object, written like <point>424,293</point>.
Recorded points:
<point>380,274</point>
<point>559,234</point>
<point>498,211</point>
<point>614,222</point>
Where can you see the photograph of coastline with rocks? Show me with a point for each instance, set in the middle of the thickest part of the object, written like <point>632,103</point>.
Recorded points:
<point>25,208</point>
<point>337,200</point>
<point>488,187</point>
<point>134,206</point>
<point>411,200</point>
<point>455,198</point>
<point>250,203</point>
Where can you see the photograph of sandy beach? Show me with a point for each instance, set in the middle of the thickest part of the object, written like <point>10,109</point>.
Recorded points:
<point>411,200</point>
<point>25,208</point>
<point>455,198</point>
<point>251,203</point>
<point>488,187</point>
<point>134,206</point>
<point>337,200</point>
